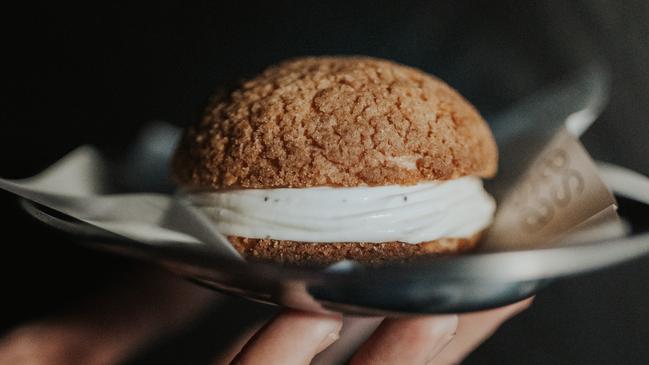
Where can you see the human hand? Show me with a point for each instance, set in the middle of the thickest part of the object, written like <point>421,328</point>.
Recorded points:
<point>110,328</point>
<point>295,337</point>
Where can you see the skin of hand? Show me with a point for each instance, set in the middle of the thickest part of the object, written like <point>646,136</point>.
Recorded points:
<point>298,338</point>
<point>114,325</point>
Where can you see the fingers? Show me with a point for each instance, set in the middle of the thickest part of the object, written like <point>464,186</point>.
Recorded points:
<point>235,347</point>
<point>292,338</point>
<point>415,340</point>
<point>42,345</point>
<point>111,326</point>
<point>476,327</point>
<point>354,332</point>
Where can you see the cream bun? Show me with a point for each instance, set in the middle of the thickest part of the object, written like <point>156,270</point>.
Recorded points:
<point>321,159</point>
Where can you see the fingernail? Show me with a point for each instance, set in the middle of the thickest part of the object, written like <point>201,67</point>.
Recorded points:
<point>516,308</point>
<point>444,327</point>
<point>330,326</point>
<point>328,340</point>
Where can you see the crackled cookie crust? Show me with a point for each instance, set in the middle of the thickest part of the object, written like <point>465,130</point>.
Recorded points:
<point>335,121</point>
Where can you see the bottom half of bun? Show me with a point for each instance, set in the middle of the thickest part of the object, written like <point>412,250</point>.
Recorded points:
<point>320,254</point>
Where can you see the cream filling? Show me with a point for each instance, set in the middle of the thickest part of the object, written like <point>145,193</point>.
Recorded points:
<point>424,212</point>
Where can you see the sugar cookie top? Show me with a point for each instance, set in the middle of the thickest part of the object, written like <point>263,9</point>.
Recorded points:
<point>335,121</point>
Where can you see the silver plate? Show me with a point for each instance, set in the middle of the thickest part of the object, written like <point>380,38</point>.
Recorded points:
<point>452,284</point>
<point>446,284</point>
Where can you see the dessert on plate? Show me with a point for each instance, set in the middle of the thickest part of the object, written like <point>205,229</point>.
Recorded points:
<point>321,159</point>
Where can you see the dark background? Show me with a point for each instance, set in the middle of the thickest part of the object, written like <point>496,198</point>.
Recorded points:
<point>95,74</point>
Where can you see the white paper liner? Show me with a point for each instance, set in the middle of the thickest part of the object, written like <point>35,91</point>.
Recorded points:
<point>74,186</point>
<point>561,196</point>
<point>560,191</point>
